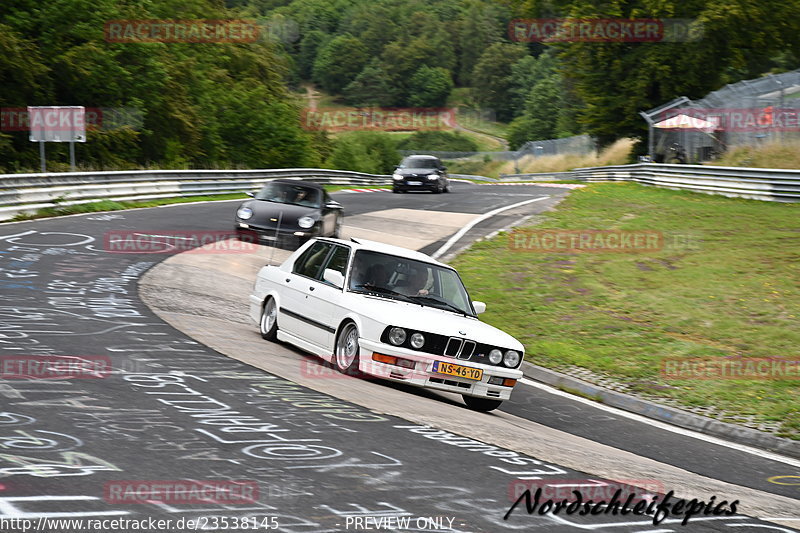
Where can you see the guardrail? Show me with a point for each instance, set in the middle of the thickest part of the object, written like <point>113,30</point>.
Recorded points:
<point>27,193</point>
<point>776,185</point>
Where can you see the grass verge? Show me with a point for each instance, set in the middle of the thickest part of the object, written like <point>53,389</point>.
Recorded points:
<point>767,155</point>
<point>725,284</point>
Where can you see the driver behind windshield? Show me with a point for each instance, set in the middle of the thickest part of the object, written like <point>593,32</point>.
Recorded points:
<point>417,281</point>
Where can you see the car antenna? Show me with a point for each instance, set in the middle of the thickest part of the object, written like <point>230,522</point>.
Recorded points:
<point>355,241</point>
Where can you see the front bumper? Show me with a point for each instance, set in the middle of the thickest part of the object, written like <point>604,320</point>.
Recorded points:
<point>416,184</point>
<point>422,375</point>
<point>255,233</point>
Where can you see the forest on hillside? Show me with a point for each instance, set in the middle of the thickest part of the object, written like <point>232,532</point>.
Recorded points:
<point>238,104</point>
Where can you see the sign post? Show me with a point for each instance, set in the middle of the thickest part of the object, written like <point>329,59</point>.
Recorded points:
<point>57,124</point>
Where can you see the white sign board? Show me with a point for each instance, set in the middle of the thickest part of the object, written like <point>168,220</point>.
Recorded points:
<point>57,124</point>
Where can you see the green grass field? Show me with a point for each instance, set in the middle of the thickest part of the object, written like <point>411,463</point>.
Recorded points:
<point>725,284</point>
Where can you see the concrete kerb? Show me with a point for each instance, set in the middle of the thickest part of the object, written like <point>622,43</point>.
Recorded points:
<point>670,415</point>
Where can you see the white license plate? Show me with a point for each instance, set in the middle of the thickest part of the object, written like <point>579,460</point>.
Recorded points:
<point>415,183</point>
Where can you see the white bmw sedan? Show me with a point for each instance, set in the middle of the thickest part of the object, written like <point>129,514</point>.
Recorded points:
<point>379,310</point>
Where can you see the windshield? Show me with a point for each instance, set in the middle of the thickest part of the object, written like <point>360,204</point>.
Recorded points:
<point>289,193</point>
<point>418,163</point>
<point>409,280</point>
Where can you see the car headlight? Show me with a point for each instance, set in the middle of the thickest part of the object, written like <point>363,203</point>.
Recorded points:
<point>245,213</point>
<point>305,222</point>
<point>433,176</point>
<point>397,177</point>
<point>511,359</point>
<point>397,336</point>
<point>417,340</point>
<point>495,356</point>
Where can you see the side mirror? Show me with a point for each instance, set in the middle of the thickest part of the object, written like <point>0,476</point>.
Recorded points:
<point>333,205</point>
<point>333,277</point>
<point>480,307</point>
<point>251,194</point>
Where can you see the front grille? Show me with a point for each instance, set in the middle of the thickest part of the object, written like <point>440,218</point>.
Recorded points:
<point>462,349</point>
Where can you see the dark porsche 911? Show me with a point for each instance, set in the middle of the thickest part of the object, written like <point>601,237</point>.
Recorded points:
<point>285,210</point>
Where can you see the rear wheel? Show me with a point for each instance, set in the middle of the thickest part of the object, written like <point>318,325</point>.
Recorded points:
<point>481,404</point>
<point>346,354</point>
<point>268,325</point>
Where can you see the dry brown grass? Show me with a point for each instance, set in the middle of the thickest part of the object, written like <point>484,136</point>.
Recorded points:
<point>767,155</point>
<point>616,154</point>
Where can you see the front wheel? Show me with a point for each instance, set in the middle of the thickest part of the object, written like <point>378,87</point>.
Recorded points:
<point>268,325</point>
<point>481,404</point>
<point>346,354</point>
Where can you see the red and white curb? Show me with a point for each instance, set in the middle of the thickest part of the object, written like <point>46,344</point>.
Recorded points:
<point>365,190</point>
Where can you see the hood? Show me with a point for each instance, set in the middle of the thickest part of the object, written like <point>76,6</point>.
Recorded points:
<point>264,210</point>
<point>423,318</point>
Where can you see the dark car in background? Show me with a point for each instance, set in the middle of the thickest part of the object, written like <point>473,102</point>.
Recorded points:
<point>289,211</point>
<point>420,173</point>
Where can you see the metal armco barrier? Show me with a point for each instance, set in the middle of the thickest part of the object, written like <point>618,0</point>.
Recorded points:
<point>26,193</point>
<point>775,185</point>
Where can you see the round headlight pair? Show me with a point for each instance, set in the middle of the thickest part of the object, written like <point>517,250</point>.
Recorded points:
<point>510,359</point>
<point>397,336</point>
<point>397,176</point>
<point>244,213</point>
<point>433,176</point>
<point>305,222</point>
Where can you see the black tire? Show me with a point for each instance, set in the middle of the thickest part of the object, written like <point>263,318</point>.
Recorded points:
<point>268,327</point>
<point>345,353</point>
<point>396,191</point>
<point>483,405</point>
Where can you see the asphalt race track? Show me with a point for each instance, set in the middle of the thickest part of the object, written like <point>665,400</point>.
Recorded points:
<point>173,409</point>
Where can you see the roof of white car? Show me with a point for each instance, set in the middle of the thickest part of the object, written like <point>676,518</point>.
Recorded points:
<point>364,244</point>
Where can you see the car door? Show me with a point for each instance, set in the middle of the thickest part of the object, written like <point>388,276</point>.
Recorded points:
<point>324,300</point>
<point>294,313</point>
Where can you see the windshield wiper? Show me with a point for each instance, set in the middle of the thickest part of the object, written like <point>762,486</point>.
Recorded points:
<point>384,290</point>
<point>442,302</point>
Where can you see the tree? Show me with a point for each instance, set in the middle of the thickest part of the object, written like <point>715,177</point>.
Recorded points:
<point>338,62</point>
<point>372,87</point>
<point>478,28</point>
<point>540,118</point>
<point>430,87</point>
<point>493,81</point>
<point>309,46</point>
